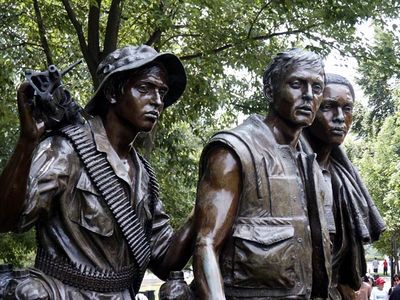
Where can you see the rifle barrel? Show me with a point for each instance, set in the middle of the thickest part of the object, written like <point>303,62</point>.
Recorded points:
<point>71,67</point>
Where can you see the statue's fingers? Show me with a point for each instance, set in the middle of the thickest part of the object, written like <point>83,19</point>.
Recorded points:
<point>25,92</point>
<point>30,127</point>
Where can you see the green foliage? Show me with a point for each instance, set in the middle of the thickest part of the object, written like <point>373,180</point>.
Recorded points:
<point>8,112</point>
<point>18,249</point>
<point>225,46</point>
<point>175,160</point>
<point>379,166</point>
<point>379,69</point>
<point>378,124</point>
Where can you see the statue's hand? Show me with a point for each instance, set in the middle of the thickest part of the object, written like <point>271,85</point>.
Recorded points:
<point>31,129</point>
<point>347,292</point>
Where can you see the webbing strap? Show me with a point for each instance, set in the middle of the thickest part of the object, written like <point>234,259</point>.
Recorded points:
<point>111,189</point>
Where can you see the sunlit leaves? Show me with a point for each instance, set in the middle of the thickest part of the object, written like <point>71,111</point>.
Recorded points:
<point>224,44</point>
<point>379,68</point>
<point>380,167</point>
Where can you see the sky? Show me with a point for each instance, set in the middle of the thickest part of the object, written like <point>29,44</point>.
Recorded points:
<point>347,66</point>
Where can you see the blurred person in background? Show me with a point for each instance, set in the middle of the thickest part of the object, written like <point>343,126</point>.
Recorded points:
<point>364,293</point>
<point>396,285</point>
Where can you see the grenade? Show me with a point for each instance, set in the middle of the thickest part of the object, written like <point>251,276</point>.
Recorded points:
<point>18,276</point>
<point>22,285</point>
<point>175,288</point>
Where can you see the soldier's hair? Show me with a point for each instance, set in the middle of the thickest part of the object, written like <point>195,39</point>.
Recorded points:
<point>339,79</point>
<point>284,62</point>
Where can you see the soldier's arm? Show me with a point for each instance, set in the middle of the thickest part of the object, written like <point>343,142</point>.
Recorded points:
<point>14,178</point>
<point>217,201</point>
<point>179,250</point>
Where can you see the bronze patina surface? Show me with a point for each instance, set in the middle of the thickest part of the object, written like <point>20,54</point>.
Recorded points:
<point>260,217</point>
<point>356,218</point>
<point>93,199</point>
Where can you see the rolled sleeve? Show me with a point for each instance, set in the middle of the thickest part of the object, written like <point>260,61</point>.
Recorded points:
<point>161,234</point>
<point>48,177</point>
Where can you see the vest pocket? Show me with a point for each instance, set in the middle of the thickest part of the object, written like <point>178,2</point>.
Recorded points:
<point>264,255</point>
<point>88,211</point>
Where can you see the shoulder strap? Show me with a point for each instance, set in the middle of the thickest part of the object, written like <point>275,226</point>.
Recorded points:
<point>111,189</point>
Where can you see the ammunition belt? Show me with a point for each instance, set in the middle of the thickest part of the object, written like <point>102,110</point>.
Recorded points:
<point>84,277</point>
<point>111,189</point>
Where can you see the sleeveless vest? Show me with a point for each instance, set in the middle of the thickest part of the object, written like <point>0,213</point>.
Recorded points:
<point>280,219</point>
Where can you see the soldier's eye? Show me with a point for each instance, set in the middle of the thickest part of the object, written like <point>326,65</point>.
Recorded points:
<point>163,92</point>
<point>143,88</point>
<point>295,84</point>
<point>317,88</point>
<point>325,107</point>
<point>348,108</point>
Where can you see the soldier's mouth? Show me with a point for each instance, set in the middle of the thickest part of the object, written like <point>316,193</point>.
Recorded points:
<point>338,131</point>
<point>152,115</point>
<point>304,109</point>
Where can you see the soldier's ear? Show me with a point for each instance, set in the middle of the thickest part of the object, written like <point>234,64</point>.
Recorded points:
<point>268,93</point>
<point>110,95</point>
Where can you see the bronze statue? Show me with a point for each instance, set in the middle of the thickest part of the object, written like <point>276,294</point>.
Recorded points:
<point>259,215</point>
<point>93,199</point>
<point>357,220</point>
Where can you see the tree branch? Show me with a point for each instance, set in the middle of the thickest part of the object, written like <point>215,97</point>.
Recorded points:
<point>256,38</point>
<point>78,27</point>
<point>256,18</point>
<point>81,39</point>
<point>325,42</point>
<point>200,54</point>
<point>42,33</point>
<point>180,35</point>
<point>112,29</point>
<point>179,26</point>
<point>156,35</point>
<point>93,30</point>
<point>21,44</point>
<point>154,38</point>
<point>268,36</point>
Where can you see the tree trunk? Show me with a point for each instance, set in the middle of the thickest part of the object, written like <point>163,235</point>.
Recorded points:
<point>394,259</point>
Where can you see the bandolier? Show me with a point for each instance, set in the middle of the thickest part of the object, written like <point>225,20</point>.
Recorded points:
<point>112,192</point>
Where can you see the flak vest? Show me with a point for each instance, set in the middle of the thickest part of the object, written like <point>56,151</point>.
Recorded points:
<point>279,247</point>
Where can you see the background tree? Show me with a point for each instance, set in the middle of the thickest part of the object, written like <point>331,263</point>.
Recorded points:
<point>379,166</point>
<point>225,45</point>
<point>378,126</point>
<point>379,67</point>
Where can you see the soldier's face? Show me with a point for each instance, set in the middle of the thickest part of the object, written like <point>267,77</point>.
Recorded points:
<point>299,95</point>
<point>142,99</point>
<point>335,115</point>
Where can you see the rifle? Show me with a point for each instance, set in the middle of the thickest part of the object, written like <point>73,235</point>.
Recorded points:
<point>52,103</point>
